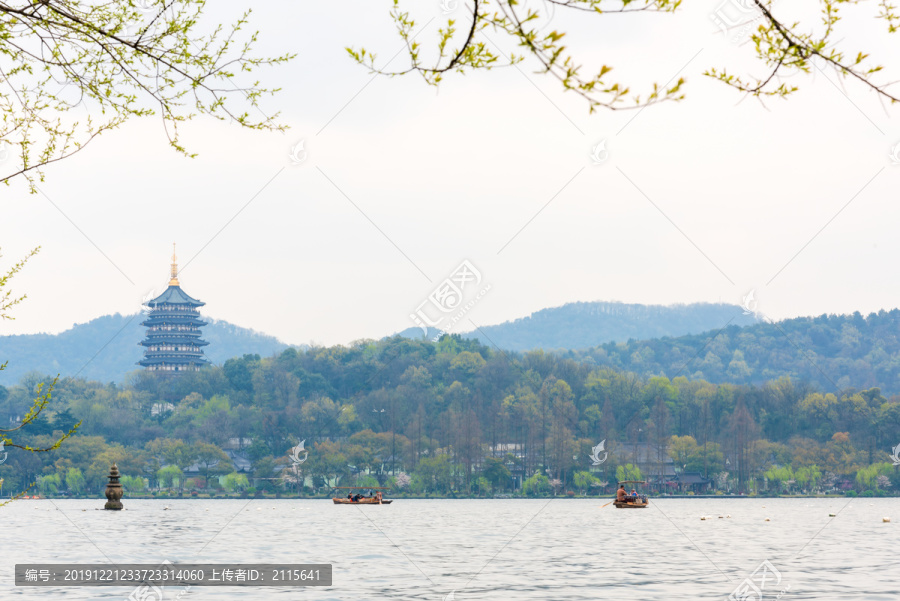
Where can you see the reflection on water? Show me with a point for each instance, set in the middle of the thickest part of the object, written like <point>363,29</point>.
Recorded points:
<point>479,549</point>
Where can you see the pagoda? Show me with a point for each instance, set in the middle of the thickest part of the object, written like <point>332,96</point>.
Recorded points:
<point>173,343</point>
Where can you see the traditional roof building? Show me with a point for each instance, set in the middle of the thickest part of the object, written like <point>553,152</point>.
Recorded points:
<point>173,341</point>
<point>692,481</point>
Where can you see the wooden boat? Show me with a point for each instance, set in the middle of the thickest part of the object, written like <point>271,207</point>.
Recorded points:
<point>632,502</point>
<point>366,501</point>
<point>376,499</point>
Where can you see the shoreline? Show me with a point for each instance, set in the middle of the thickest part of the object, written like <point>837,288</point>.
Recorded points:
<point>441,498</point>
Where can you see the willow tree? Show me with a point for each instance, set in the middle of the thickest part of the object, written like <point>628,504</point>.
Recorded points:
<point>10,437</point>
<point>71,70</point>
<point>783,47</point>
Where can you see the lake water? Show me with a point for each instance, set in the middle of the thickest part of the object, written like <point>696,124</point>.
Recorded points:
<point>479,549</point>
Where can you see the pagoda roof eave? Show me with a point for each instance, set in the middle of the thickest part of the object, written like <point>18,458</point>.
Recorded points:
<point>163,320</point>
<point>152,341</point>
<point>174,295</point>
<point>173,360</point>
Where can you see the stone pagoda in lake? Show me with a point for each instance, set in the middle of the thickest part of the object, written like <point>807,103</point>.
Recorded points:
<point>173,343</point>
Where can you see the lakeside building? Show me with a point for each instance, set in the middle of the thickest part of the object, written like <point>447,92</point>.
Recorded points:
<point>692,482</point>
<point>173,343</point>
<point>654,461</point>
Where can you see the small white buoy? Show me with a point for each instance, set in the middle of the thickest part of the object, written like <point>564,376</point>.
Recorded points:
<point>728,516</point>
<point>721,517</point>
<point>702,517</point>
<point>831,515</point>
<point>259,509</point>
<point>768,520</point>
<point>885,520</point>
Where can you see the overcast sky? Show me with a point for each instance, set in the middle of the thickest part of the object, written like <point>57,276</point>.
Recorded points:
<point>702,200</point>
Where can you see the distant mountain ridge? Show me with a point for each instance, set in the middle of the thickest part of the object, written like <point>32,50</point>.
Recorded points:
<point>831,352</point>
<point>715,342</point>
<point>718,343</point>
<point>106,348</point>
<point>585,325</point>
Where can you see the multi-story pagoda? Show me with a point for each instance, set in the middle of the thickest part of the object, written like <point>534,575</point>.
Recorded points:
<point>173,343</point>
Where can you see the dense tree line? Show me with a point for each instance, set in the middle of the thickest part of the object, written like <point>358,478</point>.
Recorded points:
<point>834,352</point>
<point>452,416</point>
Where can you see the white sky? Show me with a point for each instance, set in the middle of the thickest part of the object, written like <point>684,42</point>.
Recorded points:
<point>453,174</point>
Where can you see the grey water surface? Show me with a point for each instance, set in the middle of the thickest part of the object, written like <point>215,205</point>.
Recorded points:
<point>559,549</point>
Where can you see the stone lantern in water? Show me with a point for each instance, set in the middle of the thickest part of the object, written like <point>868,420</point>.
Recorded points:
<point>113,490</point>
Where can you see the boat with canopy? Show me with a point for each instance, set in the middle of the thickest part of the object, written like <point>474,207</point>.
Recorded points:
<point>376,497</point>
<point>636,501</point>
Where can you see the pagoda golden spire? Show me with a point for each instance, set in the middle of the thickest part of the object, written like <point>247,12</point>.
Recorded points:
<point>174,280</point>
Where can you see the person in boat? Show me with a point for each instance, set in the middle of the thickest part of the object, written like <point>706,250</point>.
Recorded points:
<point>634,494</point>
<point>349,496</point>
<point>378,496</point>
<point>620,494</point>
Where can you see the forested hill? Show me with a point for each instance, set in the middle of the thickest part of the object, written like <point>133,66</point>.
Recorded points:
<point>586,325</point>
<point>114,339</point>
<point>439,412</point>
<point>831,351</point>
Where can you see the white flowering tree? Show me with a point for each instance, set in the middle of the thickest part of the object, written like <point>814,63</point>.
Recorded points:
<point>402,480</point>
